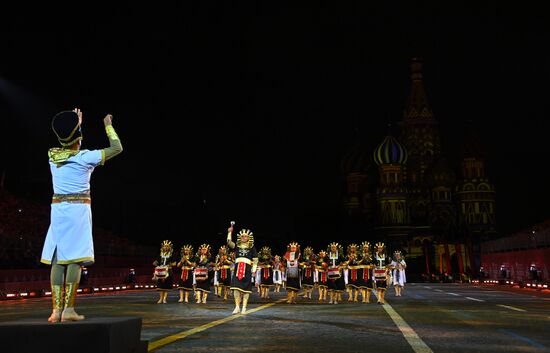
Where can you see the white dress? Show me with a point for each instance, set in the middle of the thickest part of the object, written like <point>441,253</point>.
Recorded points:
<point>70,230</point>
<point>398,275</point>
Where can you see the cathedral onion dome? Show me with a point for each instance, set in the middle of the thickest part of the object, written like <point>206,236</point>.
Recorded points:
<point>390,151</point>
<point>440,174</point>
<point>357,160</point>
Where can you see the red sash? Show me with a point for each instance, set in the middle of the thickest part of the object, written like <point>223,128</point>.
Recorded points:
<point>353,275</point>
<point>308,272</point>
<point>240,270</point>
<point>266,273</point>
<point>223,273</point>
<point>184,274</point>
<point>323,277</point>
<point>366,274</point>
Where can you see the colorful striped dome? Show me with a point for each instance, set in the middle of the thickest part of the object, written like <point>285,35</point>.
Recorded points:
<point>390,151</point>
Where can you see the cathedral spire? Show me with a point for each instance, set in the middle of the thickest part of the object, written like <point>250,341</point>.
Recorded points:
<point>417,109</point>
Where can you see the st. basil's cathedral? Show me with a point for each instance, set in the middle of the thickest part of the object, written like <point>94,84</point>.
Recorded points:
<point>407,194</point>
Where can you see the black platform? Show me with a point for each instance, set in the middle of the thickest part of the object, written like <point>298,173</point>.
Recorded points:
<point>96,335</point>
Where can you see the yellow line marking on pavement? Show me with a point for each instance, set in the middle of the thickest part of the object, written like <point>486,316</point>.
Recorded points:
<point>181,335</point>
<point>410,335</point>
<point>510,307</point>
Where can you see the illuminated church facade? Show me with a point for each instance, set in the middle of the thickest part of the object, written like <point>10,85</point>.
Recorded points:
<point>406,193</point>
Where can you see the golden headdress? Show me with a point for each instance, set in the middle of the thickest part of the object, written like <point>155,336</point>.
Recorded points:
<point>380,245</point>
<point>223,249</point>
<point>205,246</point>
<point>166,243</point>
<point>338,247</point>
<point>187,247</point>
<point>397,252</point>
<point>250,242</point>
<point>309,253</point>
<point>293,244</point>
<point>364,245</point>
<point>265,250</point>
<point>350,247</point>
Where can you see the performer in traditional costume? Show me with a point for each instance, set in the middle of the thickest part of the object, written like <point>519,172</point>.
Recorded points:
<point>69,243</point>
<point>366,285</point>
<point>398,266</point>
<point>307,265</point>
<point>202,273</point>
<point>354,272</point>
<point>336,284</point>
<point>224,263</point>
<point>278,270</point>
<point>321,267</point>
<point>187,265</point>
<point>163,270</point>
<point>265,263</point>
<point>292,259</point>
<point>381,271</point>
<point>246,262</point>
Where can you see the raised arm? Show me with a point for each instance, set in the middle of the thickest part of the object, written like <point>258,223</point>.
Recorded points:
<point>230,242</point>
<point>115,147</point>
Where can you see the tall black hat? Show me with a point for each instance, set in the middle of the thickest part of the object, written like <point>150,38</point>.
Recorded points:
<point>66,126</point>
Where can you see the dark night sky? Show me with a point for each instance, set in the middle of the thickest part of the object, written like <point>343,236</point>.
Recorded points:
<point>243,112</point>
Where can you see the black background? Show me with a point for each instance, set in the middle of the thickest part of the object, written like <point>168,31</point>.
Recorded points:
<point>234,111</point>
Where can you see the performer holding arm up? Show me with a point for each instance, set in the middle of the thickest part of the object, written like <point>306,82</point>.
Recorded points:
<point>246,262</point>
<point>69,243</point>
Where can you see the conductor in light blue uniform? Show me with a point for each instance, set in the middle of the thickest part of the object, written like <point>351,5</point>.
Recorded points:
<point>69,244</point>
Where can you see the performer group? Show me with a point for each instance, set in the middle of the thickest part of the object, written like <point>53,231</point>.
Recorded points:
<point>235,270</point>
<point>238,269</point>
